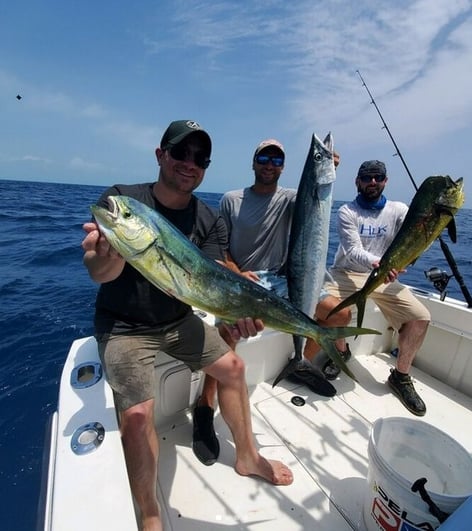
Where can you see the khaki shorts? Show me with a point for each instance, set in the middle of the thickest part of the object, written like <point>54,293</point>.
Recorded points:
<point>128,359</point>
<point>395,301</point>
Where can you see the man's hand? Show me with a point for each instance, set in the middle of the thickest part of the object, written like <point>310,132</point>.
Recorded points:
<point>336,159</point>
<point>96,242</point>
<point>392,275</point>
<point>245,327</point>
<point>103,263</point>
<point>250,275</point>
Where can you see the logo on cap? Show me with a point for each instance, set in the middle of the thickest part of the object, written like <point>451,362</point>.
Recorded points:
<point>192,125</point>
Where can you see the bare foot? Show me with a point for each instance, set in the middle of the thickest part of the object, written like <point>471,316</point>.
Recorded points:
<point>274,472</point>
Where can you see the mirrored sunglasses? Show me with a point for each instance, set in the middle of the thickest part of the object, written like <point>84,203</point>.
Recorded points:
<point>265,159</point>
<point>182,153</point>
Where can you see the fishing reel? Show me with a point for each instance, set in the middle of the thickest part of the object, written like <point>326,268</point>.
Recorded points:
<point>440,280</point>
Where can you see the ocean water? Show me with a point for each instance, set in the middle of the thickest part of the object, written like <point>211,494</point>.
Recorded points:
<point>47,301</point>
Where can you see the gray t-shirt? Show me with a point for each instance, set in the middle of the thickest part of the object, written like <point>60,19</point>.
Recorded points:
<point>364,235</point>
<point>258,227</point>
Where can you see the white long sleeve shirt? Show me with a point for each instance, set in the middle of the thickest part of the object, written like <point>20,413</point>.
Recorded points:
<point>364,235</point>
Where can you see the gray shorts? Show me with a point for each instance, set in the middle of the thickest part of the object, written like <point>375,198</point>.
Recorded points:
<point>128,359</point>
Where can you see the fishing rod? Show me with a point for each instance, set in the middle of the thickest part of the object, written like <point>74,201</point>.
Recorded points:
<point>444,247</point>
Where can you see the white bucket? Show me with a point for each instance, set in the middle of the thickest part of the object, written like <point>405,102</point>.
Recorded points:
<point>401,451</point>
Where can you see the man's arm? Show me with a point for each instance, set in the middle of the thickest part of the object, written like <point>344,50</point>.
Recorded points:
<point>231,264</point>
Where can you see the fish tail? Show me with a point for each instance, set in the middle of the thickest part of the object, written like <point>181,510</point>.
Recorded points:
<point>359,299</point>
<point>333,353</point>
<point>287,370</point>
<point>340,332</point>
<point>360,310</point>
<point>349,301</point>
<point>326,342</point>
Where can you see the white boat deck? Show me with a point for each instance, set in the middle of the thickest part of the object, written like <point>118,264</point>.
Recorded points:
<point>324,442</point>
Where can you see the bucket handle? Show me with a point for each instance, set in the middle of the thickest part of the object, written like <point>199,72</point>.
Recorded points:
<point>419,486</point>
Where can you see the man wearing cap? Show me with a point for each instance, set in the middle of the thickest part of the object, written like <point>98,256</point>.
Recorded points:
<point>259,218</point>
<point>366,227</point>
<point>134,320</point>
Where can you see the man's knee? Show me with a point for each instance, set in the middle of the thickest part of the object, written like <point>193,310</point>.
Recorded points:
<point>417,327</point>
<point>236,367</point>
<point>229,368</point>
<point>345,316</point>
<point>138,418</point>
<point>341,318</point>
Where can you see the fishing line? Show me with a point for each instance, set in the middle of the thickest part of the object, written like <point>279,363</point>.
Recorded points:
<point>444,247</point>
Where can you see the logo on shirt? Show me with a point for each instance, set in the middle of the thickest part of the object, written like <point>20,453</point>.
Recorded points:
<point>372,231</point>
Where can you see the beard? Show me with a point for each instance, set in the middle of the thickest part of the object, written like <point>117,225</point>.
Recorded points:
<point>370,193</point>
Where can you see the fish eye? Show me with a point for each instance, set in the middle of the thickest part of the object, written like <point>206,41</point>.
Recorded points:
<point>126,214</point>
<point>318,157</point>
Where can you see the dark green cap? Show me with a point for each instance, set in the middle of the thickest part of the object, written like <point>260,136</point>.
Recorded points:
<point>180,129</point>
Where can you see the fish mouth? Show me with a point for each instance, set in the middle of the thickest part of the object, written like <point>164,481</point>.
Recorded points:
<point>113,208</point>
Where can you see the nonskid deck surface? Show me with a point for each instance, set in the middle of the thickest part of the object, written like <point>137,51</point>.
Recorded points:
<point>324,442</point>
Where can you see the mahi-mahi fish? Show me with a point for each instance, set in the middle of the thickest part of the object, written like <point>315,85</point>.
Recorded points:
<point>308,243</point>
<point>432,210</point>
<point>172,263</point>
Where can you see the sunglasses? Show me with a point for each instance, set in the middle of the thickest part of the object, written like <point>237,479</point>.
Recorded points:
<point>265,159</point>
<point>368,178</point>
<point>182,153</point>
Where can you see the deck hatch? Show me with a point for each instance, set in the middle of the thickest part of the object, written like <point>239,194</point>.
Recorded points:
<point>87,438</point>
<point>86,375</point>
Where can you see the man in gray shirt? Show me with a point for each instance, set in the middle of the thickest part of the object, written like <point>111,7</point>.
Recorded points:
<point>259,219</point>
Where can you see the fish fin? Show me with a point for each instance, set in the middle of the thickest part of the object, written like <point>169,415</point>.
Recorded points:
<point>451,230</point>
<point>360,303</point>
<point>451,226</point>
<point>328,142</point>
<point>298,343</point>
<point>349,301</point>
<point>339,332</point>
<point>333,353</point>
<point>309,375</point>
<point>287,370</point>
<point>356,298</point>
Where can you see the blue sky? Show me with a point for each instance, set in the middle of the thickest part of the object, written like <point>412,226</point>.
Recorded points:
<point>100,81</point>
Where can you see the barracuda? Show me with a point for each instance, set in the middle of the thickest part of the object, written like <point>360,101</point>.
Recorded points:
<point>308,244</point>
<point>172,263</point>
<point>432,210</point>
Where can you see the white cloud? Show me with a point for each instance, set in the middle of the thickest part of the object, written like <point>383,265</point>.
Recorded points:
<point>249,70</point>
<point>24,158</point>
<point>138,136</point>
<point>78,163</point>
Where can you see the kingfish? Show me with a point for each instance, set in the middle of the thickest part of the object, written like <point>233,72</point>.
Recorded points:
<point>172,263</point>
<point>432,210</point>
<point>308,243</point>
